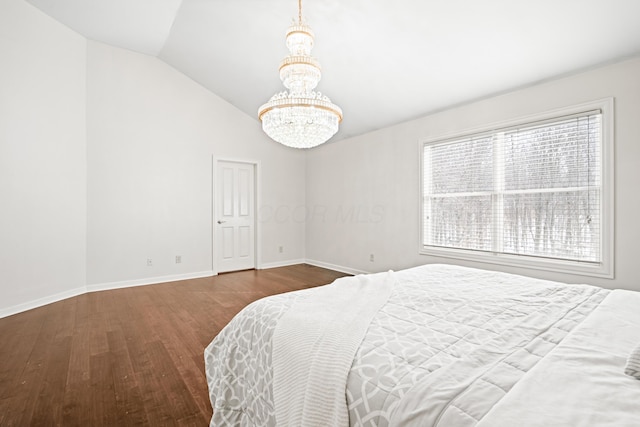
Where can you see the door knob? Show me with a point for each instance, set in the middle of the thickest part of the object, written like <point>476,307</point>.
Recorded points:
<point>220,222</point>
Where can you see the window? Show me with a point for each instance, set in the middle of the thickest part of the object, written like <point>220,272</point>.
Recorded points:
<point>534,193</point>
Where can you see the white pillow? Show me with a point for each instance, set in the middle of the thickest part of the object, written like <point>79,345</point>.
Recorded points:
<point>633,363</point>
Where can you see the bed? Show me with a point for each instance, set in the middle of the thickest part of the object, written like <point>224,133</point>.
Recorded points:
<point>435,345</point>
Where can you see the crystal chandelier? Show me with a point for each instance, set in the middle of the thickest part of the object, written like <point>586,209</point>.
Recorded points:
<point>300,117</point>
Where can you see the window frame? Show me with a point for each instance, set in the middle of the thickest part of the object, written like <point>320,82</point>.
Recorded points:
<point>603,269</point>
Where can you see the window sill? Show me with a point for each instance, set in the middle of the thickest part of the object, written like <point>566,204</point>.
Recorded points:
<point>601,270</point>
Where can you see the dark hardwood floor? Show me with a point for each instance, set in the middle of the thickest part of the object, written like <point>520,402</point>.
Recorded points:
<point>128,356</point>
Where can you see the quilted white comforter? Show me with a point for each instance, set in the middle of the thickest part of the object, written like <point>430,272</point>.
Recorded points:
<point>461,337</point>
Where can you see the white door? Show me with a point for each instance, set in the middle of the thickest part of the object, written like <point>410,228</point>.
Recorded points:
<point>234,221</point>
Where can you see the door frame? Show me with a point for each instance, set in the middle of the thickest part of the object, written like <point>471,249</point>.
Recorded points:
<point>257,234</point>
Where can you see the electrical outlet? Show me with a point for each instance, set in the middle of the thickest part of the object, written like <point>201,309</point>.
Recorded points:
<point>281,249</point>
<point>178,259</point>
<point>149,262</point>
<point>371,258</point>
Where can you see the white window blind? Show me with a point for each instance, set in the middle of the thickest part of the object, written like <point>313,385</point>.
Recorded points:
<point>533,190</point>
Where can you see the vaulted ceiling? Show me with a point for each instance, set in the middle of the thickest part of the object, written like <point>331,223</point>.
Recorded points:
<point>383,62</point>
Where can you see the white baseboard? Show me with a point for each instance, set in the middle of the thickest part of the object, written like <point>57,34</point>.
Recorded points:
<point>147,281</point>
<point>322,264</point>
<point>339,268</point>
<point>267,265</point>
<point>9,311</point>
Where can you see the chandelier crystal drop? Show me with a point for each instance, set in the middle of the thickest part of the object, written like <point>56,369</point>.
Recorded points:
<point>300,117</point>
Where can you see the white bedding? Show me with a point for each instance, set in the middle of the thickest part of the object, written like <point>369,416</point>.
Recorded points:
<point>581,383</point>
<point>304,347</point>
<point>470,336</point>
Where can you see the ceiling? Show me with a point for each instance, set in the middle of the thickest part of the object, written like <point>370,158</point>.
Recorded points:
<point>383,62</point>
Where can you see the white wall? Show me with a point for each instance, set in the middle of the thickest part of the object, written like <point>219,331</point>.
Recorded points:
<point>106,160</point>
<point>152,134</point>
<point>42,158</point>
<point>363,193</point>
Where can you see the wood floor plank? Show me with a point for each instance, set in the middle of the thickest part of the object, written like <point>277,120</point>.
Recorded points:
<point>188,366</point>
<point>76,410</point>
<point>18,340</point>
<point>131,357</point>
<point>49,405</point>
<point>34,376</point>
<point>129,402</point>
<point>102,395</point>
